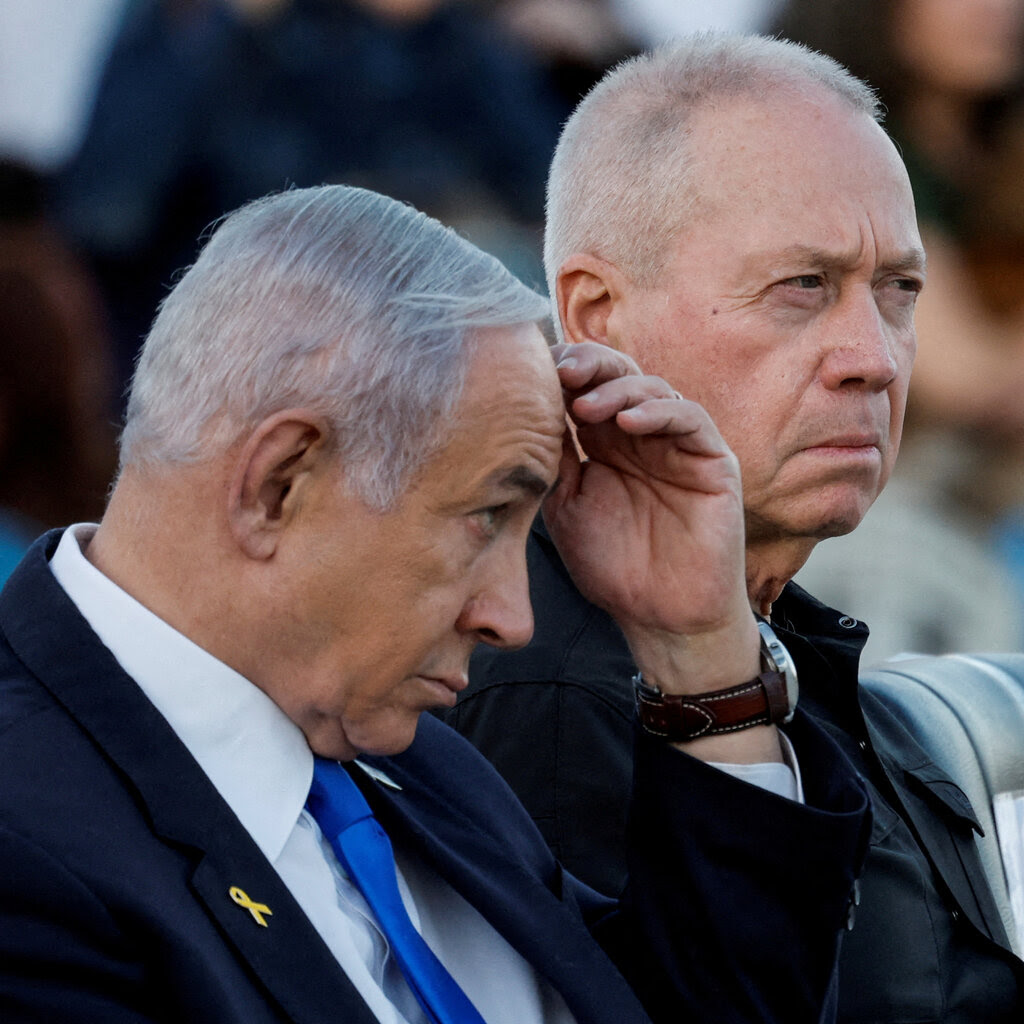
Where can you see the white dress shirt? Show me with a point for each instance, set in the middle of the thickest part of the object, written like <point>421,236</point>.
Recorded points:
<point>260,763</point>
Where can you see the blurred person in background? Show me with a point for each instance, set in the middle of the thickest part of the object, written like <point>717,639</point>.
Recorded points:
<point>56,410</point>
<point>656,21</point>
<point>576,41</point>
<point>205,104</point>
<point>51,56</point>
<point>950,73</point>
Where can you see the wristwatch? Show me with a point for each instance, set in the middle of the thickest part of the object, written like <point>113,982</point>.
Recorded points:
<point>770,697</point>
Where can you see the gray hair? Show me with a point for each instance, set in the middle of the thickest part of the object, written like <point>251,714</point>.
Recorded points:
<point>618,181</point>
<point>336,299</point>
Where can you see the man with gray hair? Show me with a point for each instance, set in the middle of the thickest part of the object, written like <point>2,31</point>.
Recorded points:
<point>728,211</point>
<point>221,801</point>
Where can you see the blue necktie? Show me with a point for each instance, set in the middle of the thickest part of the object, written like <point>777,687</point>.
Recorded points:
<point>365,852</point>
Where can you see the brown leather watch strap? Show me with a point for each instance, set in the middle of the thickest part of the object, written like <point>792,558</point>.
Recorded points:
<point>681,717</point>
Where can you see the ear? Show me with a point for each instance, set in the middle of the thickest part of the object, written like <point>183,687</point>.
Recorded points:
<point>588,291</point>
<point>274,469</point>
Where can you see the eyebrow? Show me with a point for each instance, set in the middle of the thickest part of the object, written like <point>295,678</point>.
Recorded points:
<point>912,259</point>
<point>525,480</point>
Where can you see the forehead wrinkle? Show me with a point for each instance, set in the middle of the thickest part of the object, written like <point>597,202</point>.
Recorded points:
<point>809,256</point>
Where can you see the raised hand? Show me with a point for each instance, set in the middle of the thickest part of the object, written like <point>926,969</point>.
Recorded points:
<point>650,524</point>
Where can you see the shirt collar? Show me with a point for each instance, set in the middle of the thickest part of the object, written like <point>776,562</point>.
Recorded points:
<point>255,756</point>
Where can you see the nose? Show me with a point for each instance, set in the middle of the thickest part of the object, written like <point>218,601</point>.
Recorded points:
<point>499,612</point>
<point>862,346</point>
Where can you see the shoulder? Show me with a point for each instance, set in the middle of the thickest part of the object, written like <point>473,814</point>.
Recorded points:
<point>31,617</point>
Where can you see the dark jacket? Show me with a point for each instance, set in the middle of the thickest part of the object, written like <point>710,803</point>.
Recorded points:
<point>927,945</point>
<point>117,856</point>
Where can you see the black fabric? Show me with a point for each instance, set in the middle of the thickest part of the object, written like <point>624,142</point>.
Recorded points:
<point>117,857</point>
<point>554,718</point>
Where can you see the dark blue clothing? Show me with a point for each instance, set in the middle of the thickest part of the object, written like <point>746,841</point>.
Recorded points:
<point>199,112</point>
<point>117,856</point>
<point>927,943</point>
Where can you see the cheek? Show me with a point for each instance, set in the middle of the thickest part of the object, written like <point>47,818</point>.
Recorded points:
<point>662,358</point>
<point>740,371</point>
<point>900,387</point>
<point>753,410</point>
<point>758,461</point>
<point>897,409</point>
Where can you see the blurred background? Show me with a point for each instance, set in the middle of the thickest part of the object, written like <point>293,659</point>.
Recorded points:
<point>128,126</point>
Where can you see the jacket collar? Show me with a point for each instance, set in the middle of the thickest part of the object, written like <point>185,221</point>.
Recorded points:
<point>936,808</point>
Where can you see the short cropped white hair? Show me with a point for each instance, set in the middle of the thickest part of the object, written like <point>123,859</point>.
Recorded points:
<point>336,299</point>
<point>618,186</point>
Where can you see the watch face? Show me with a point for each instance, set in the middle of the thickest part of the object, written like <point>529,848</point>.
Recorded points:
<point>780,661</point>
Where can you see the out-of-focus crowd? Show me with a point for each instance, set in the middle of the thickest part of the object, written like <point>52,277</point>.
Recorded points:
<point>127,126</point>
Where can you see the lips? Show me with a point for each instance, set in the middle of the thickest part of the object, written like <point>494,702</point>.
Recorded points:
<point>445,688</point>
<point>851,441</point>
<point>455,683</point>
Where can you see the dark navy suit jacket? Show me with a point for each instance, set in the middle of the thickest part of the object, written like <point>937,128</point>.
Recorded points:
<point>117,856</point>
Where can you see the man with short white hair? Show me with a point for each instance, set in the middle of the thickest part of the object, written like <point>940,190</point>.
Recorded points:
<point>221,800</point>
<point>728,211</point>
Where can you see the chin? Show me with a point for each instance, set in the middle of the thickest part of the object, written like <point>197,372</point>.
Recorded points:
<point>815,525</point>
<point>835,528</point>
<point>840,521</point>
<point>838,511</point>
<point>344,741</point>
<point>383,738</point>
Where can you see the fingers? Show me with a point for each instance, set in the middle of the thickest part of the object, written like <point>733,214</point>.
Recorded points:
<point>664,416</point>
<point>642,406</point>
<point>605,387</point>
<point>601,382</point>
<point>588,364</point>
<point>625,395</point>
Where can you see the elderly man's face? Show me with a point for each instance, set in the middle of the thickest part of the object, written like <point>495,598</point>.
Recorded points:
<point>385,608</point>
<point>787,308</point>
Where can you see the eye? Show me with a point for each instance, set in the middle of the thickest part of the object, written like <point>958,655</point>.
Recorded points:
<point>805,281</point>
<point>901,292</point>
<point>490,519</point>
<point>908,284</point>
<point>801,293</point>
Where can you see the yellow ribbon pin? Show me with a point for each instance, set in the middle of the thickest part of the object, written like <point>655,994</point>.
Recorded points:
<point>256,909</point>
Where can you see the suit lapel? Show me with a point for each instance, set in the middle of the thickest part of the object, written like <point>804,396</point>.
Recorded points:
<point>288,956</point>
